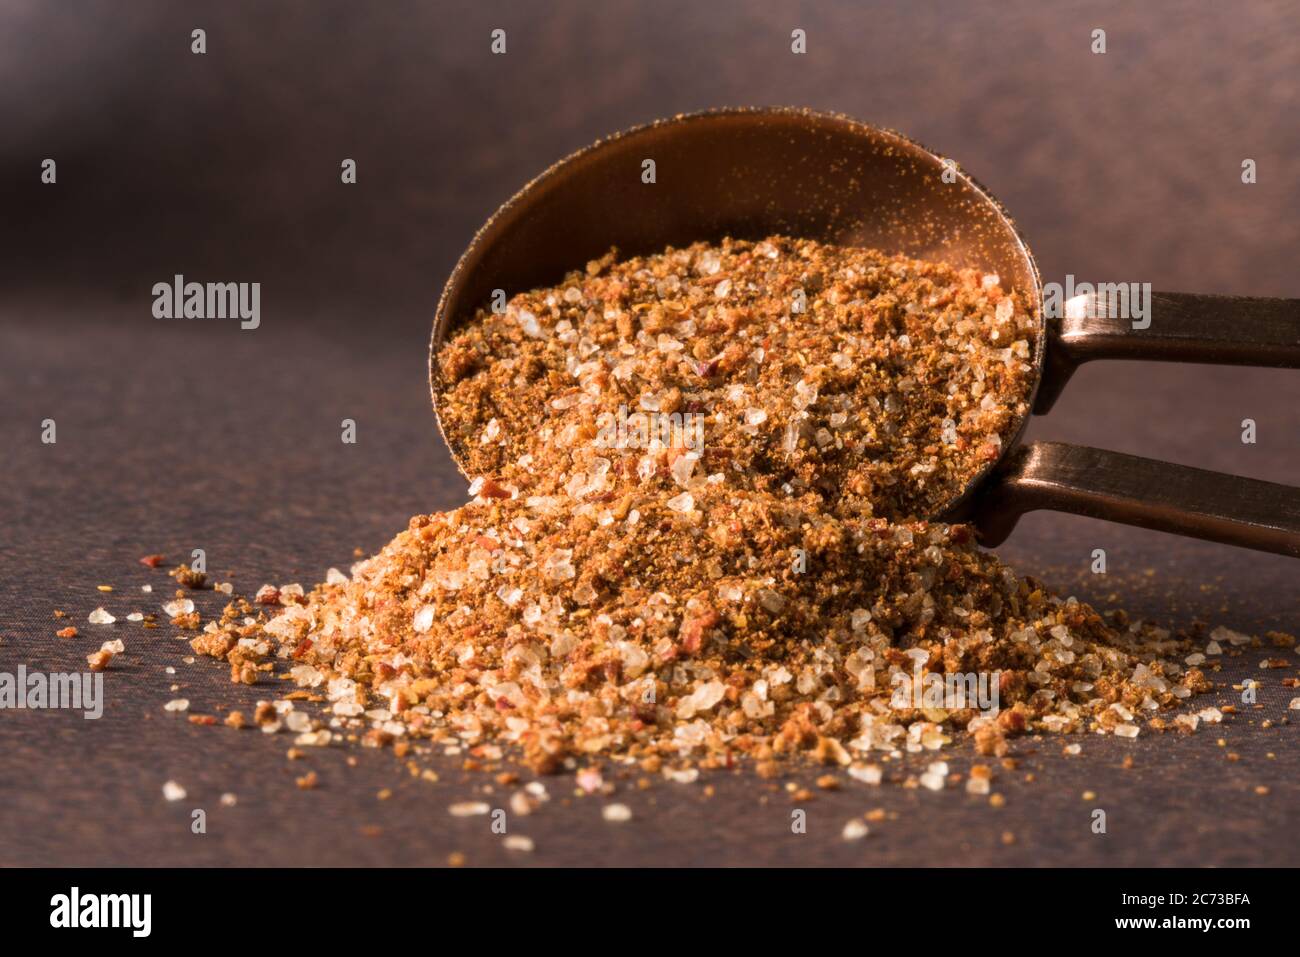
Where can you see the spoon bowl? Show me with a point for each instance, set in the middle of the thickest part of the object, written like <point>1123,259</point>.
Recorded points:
<point>748,174</point>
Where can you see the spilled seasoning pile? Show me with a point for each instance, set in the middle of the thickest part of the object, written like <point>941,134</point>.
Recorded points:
<point>697,534</point>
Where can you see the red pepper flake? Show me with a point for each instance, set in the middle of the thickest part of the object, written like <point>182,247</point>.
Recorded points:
<point>152,561</point>
<point>304,646</point>
<point>492,489</point>
<point>69,632</point>
<point>693,629</point>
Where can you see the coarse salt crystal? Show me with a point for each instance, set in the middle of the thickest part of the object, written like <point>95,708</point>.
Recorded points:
<point>306,676</point>
<point>702,698</point>
<point>173,791</point>
<point>616,813</point>
<point>866,773</point>
<point>683,467</point>
<point>177,704</point>
<point>423,620</point>
<point>469,808</point>
<point>528,322</point>
<point>1221,634</point>
<point>854,830</point>
<point>684,503</point>
<point>559,565</point>
<point>518,842</point>
<point>100,617</point>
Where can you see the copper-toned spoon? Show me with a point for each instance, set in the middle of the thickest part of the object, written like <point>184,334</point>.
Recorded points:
<point>750,173</point>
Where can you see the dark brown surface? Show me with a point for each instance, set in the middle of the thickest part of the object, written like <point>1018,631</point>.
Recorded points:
<point>178,435</point>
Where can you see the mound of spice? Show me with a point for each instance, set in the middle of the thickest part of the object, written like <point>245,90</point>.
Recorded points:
<point>882,383</point>
<point>688,633</point>
<point>630,583</point>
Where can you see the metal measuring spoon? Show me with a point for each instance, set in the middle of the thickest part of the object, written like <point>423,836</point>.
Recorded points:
<point>750,173</point>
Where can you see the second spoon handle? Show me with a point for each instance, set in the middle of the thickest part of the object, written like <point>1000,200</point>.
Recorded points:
<point>1181,327</point>
<point>1138,491</point>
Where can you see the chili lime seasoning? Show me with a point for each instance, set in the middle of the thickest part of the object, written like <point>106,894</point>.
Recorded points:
<point>698,534</point>
<point>882,384</point>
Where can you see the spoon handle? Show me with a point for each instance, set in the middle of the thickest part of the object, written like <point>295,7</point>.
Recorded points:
<point>1178,327</point>
<point>1139,491</point>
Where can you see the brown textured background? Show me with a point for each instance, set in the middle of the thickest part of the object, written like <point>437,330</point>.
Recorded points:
<point>177,435</point>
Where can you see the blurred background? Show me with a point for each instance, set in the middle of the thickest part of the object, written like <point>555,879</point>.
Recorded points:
<point>225,166</point>
<point>1119,165</point>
